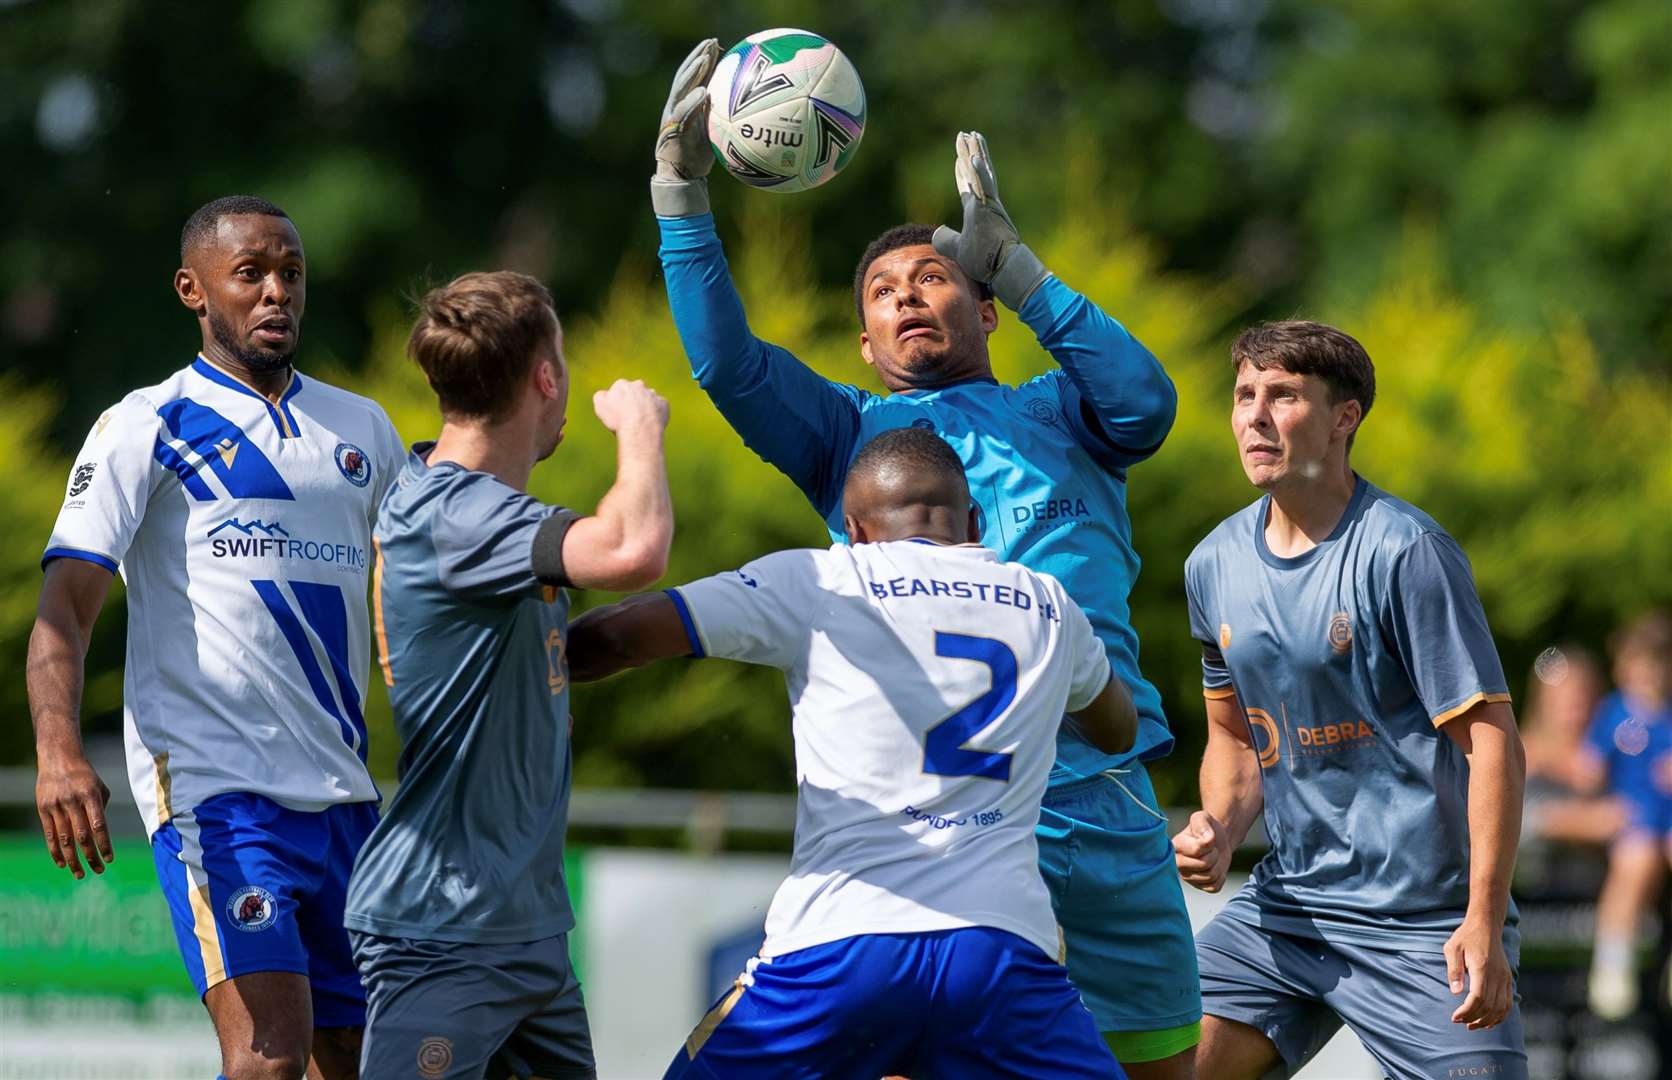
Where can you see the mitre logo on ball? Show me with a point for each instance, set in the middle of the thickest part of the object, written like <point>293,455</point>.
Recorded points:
<point>786,110</point>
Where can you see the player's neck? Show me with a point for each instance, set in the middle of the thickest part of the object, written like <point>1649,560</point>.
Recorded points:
<point>1305,512</point>
<point>269,384</point>
<point>489,449</point>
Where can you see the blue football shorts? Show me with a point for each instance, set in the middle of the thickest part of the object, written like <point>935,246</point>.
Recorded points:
<point>1106,854</point>
<point>1648,813</point>
<point>1298,991</point>
<point>252,886</point>
<point>974,1003</point>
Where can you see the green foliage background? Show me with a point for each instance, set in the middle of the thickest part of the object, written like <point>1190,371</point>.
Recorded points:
<point>1476,191</point>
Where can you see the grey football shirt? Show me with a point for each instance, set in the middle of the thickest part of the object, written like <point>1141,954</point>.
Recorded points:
<point>471,622</point>
<point>1346,660</point>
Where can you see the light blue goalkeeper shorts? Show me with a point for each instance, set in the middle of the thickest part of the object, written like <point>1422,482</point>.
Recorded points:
<point>1107,856</point>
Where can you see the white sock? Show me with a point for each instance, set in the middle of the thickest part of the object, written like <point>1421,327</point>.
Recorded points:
<point>1614,953</point>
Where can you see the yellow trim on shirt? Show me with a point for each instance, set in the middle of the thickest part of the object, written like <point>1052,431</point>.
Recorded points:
<point>1454,713</point>
<point>1219,693</point>
<point>165,788</point>
<point>377,614</point>
<point>275,407</point>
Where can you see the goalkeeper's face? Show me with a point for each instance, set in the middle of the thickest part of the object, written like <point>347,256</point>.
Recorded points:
<point>925,326</point>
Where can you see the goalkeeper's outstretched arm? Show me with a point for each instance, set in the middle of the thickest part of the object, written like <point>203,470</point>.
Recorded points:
<point>794,418</point>
<point>1121,402</point>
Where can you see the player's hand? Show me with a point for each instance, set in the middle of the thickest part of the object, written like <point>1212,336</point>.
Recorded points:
<point>989,248</point>
<point>631,407</point>
<point>71,800</point>
<point>1202,851</point>
<point>1476,950</point>
<point>683,152</point>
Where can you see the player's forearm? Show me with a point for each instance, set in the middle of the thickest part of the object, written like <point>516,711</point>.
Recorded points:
<point>630,634</point>
<point>55,674</point>
<point>707,311</point>
<point>1497,787</point>
<point>636,513</point>
<point>1230,783</point>
<point>1129,392</point>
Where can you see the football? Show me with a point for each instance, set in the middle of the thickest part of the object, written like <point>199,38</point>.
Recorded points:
<point>786,110</point>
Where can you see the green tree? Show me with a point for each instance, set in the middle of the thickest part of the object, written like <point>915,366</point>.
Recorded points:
<point>409,135</point>
<point>1534,135</point>
<point>1490,430</point>
<point>31,492</point>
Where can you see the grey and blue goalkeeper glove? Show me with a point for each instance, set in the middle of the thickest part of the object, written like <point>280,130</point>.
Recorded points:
<point>683,152</point>
<point>988,249</point>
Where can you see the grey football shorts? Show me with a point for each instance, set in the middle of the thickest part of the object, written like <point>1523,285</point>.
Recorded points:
<point>1298,991</point>
<point>440,1010</point>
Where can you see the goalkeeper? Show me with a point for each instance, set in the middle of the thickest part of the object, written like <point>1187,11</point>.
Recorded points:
<point>1047,465</point>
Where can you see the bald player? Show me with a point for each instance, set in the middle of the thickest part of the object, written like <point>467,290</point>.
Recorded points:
<point>928,680</point>
<point>236,499</point>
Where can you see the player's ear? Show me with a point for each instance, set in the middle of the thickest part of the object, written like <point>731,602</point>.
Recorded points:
<point>1347,421</point>
<point>855,529</point>
<point>975,524</point>
<point>186,287</point>
<point>989,315</point>
<point>545,377</point>
<point>865,348</point>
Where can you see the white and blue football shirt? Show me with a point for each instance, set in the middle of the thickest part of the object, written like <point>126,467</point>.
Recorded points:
<point>927,685</point>
<point>243,531</point>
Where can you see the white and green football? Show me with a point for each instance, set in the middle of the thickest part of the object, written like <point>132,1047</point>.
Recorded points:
<point>786,110</point>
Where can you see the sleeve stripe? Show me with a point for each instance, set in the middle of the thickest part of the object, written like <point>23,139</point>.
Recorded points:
<point>697,652</point>
<point>78,553</point>
<point>1477,699</point>
<point>1219,693</point>
<point>546,551</point>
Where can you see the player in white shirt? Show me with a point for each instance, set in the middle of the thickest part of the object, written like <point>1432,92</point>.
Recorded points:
<point>236,498</point>
<point>927,680</point>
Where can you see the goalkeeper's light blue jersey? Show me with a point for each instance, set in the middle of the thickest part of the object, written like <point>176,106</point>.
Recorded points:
<point>1046,460</point>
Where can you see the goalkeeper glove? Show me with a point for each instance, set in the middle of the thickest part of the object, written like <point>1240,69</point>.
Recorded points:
<point>988,249</point>
<point>683,153</point>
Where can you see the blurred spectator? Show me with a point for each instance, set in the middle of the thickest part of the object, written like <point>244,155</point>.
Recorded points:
<point>1562,779</point>
<point>1630,752</point>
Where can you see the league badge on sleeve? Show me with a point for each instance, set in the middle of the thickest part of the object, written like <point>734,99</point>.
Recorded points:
<point>353,464</point>
<point>83,478</point>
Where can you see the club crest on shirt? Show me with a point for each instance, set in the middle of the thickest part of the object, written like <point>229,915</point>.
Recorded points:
<point>251,908</point>
<point>352,463</point>
<point>1340,633</point>
<point>1043,411</point>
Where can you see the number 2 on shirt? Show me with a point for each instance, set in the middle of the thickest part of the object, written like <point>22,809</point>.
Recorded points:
<point>944,752</point>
